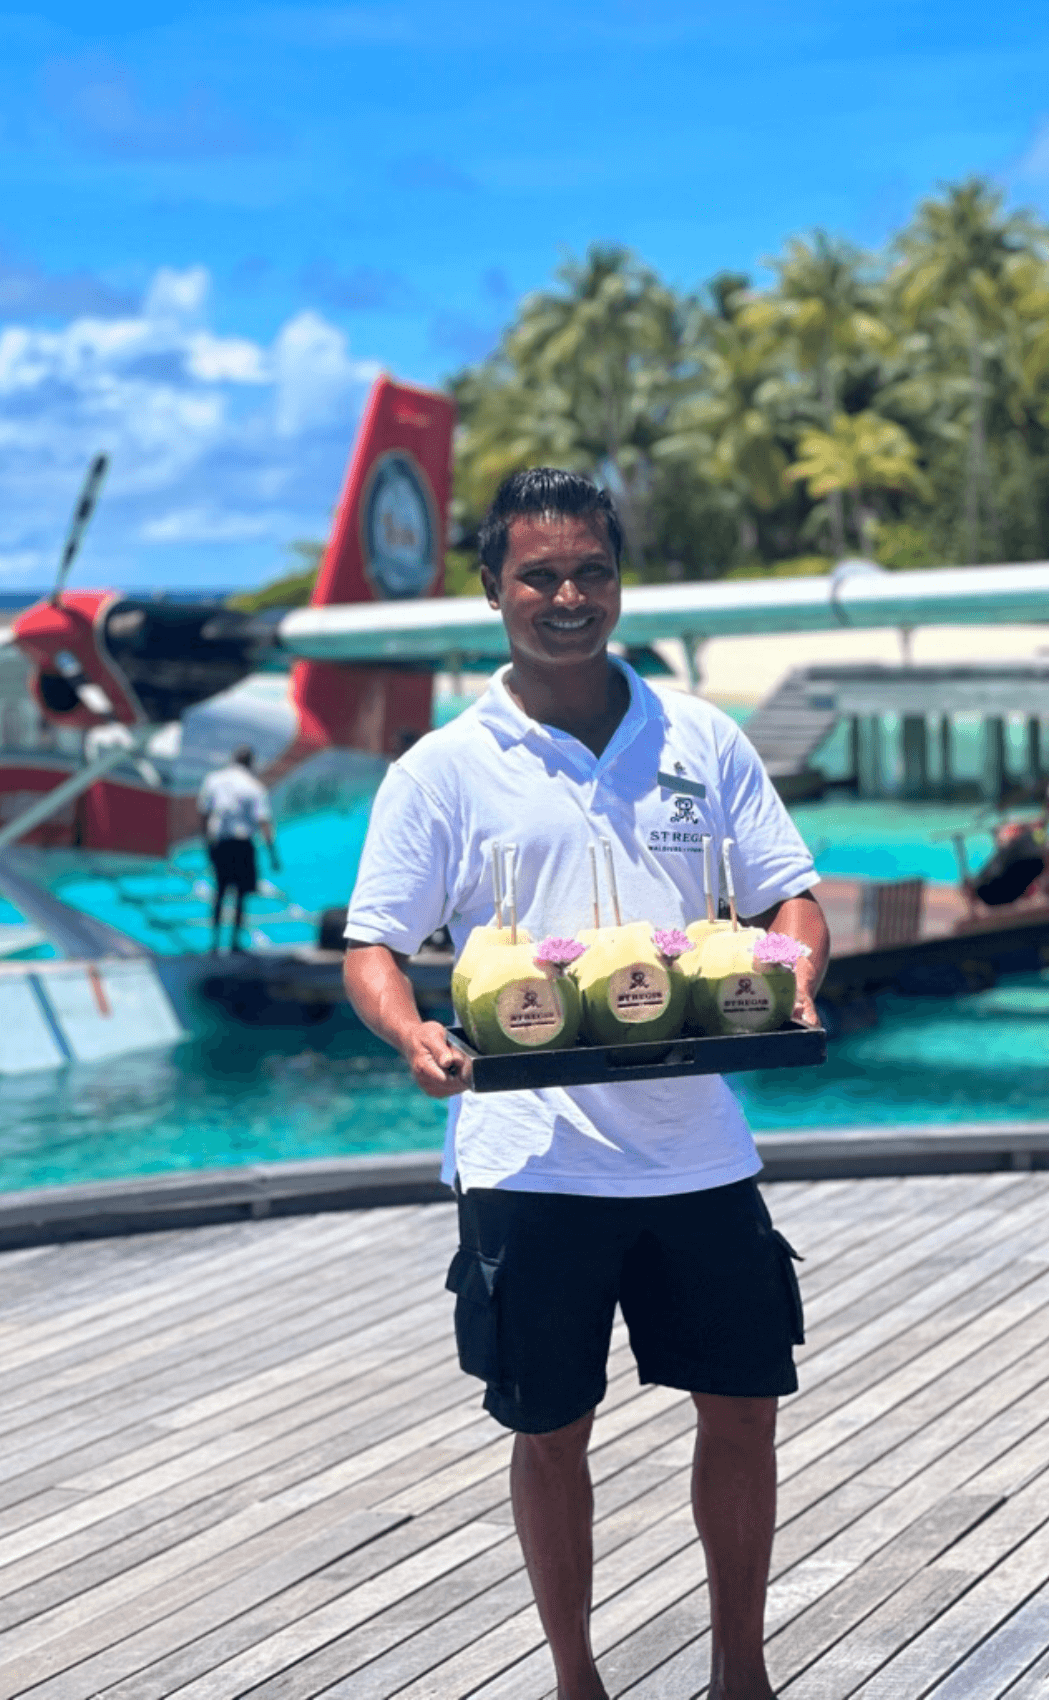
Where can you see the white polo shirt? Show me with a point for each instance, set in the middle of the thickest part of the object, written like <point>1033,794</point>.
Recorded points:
<point>676,768</point>
<point>234,801</point>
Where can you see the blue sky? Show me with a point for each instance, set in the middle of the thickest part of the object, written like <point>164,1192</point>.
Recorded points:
<point>217,221</point>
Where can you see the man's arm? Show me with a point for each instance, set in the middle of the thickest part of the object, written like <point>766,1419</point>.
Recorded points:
<point>801,918</point>
<point>266,829</point>
<point>382,995</point>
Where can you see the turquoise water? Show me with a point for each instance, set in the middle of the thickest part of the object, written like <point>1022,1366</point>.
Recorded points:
<point>242,1097</point>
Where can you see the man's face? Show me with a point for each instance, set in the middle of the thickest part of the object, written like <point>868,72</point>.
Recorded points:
<point>558,591</point>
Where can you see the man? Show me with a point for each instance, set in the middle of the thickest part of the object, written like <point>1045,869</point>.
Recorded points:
<point>641,1194</point>
<point>233,806</point>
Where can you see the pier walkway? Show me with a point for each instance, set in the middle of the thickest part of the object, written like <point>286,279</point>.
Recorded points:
<point>241,1460</point>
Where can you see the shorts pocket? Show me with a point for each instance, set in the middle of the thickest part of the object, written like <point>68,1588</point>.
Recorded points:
<point>795,1310</point>
<point>473,1279</point>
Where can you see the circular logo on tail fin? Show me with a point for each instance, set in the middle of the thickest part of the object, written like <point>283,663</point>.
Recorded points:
<point>399,528</point>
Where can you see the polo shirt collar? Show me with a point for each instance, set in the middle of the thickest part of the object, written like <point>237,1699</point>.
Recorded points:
<point>511,725</point>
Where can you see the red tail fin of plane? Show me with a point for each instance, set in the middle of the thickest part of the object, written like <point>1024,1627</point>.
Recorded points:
<point>387,543</point>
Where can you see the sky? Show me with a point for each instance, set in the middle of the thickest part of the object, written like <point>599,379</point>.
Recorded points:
<point>219,221</point>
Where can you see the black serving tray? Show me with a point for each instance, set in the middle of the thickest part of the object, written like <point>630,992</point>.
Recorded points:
<point>792,1046</point>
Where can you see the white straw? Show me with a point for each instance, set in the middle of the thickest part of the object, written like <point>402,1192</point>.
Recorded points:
<point>594,885</point>
<point>510,883</point>
<point>708,877</point>
<point>611,872</point>
<point>728,844</point>
<point>497,882</point>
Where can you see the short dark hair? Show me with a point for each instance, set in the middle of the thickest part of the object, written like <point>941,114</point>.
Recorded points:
<point>245,755</point>
<point>543,490</point>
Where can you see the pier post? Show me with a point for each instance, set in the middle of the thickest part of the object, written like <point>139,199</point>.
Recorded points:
<point>915,756</point>
<point>852,759</point>
<point>1034,748</point>
<point>946,752</point>
<point>869,765</point>
<point>992,782</point>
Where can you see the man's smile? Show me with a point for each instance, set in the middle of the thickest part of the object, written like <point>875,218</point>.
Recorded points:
<point>566,622</point>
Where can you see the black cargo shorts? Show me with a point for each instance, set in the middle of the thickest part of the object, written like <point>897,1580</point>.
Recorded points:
<point>706,1285</point>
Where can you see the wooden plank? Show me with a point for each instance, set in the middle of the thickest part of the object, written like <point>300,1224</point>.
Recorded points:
<point>1008,1653</point>
<point>178,1515</point>
<point>166,1319</point>
<point>417,1633</point>
<point>1033,1684</point>
<point>941,1615</point>
<point>141,1647</point>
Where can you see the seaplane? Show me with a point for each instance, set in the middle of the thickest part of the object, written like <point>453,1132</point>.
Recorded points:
<point>113,708</point>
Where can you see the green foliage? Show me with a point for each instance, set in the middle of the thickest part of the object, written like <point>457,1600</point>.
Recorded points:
<point>896,403</point>
<point>293,590</point>
<point>899,544</point>
<point>462,575</point>
<point>802,566</point>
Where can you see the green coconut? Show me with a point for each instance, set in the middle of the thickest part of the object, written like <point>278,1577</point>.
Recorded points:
<point>630,992</point>
<point>702,1013</point>
<point>513,1003</point>
<point>737,996</point>
<point>481,939</point>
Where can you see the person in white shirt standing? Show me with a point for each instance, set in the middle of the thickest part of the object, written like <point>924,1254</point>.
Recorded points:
<point>574,1201</point>
<point>233,805</point>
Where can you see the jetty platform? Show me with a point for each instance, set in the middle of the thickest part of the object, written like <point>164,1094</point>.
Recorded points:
<point>241,1460</point>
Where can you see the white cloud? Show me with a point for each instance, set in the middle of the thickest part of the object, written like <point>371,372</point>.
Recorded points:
<point>314,374</point>
<point>212,439</point>
<point>177,295</point>
<point>203,525</point>
<point>231,359</point>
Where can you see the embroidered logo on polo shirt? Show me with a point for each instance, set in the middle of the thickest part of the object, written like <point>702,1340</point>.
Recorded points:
<point>684,793</point>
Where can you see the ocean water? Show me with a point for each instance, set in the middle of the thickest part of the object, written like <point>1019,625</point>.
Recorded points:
<point>237,1097</point>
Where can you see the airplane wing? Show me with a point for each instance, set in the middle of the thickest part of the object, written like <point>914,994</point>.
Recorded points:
<point>455,629</point>
<point>70,931</point>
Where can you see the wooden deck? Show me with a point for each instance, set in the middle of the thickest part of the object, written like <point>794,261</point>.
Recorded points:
<point>242,1460</point>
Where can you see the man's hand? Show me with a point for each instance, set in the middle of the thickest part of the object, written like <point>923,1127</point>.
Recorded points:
<point>438,1068</point>
<point>802,919</point>
<point>804,1005</point>
<point>381,993</point>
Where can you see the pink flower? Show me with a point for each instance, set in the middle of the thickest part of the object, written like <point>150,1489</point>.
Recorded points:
<point>671,942</point>
<point>778,950</point>
<point>559,952</point>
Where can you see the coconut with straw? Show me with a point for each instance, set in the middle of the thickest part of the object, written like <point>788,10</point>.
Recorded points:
<point>631,988</point>
<point>698,932</point>
<point>746,981</point>
<point>495,936</point>
<point>519,997</point>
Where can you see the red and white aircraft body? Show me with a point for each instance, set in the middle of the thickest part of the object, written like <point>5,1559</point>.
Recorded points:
<point>162,692</point>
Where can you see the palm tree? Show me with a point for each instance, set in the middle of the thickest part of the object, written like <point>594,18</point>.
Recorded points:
<point>862,455</point>
<point>728,424</point>
<point>951,276</point>
<point>825,310</point>
<point>600,357</point>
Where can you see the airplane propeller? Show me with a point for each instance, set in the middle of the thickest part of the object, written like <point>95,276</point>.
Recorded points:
<point>85,507</point>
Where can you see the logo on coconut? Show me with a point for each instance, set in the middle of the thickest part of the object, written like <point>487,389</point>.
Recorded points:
<point>745,1000</point>
<point>639,992</point>
<point>399,533</point>
<point>530,1012</point>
